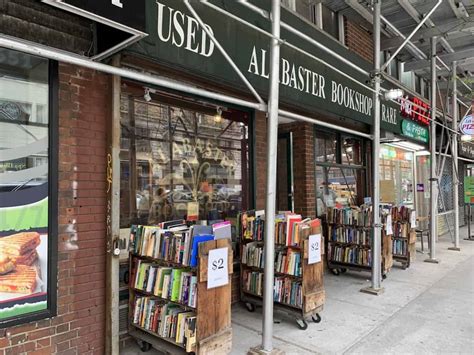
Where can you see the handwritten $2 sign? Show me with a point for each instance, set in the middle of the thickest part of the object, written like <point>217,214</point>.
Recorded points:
<point>314,248</point>
<point>217,268</point>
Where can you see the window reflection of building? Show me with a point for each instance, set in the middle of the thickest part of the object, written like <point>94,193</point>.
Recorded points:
<point>340,170</point>
<point>177,161</point>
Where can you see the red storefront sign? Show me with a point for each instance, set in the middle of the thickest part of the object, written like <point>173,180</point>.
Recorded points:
<point>415,109</point>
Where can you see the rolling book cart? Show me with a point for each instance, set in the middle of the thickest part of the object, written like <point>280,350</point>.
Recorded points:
<point>298,284</point>
<point>349,241</point>
<point>171,307</point>
<point>403,237</point>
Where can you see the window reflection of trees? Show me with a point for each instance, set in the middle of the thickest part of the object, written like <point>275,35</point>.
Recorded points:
<point>194,157</point>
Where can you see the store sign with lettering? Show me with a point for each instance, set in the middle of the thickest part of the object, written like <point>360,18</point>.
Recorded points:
<point>415,109</point>
<point>467,126</point>
<point>129,13</point>
<point>412,130</point>
<point>176,40</point>
<point>466,150</point>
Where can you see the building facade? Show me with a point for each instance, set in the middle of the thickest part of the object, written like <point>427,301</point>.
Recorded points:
<point>180,152</point>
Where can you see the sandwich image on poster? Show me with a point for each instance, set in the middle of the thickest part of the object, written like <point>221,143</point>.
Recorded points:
<point>19,267</point>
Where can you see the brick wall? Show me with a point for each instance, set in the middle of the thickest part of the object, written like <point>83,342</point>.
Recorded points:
<point>303,167</point>
<point>359,40</point>
<point>79,326</point>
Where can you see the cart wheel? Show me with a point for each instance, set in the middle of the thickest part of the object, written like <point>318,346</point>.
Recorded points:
<point>404,266</point>
<point>144,346</point>
<point>316,319</point>
<point>343,270</point>
<point>250,306</point>
<point>302,324</point>
<point>384,276</point>
<point>335,271</point>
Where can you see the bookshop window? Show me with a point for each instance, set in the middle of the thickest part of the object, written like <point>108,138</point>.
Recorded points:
<point>340,171</point>
<point>396,176</point>
<point>27,189</point>
<point>181,161</point>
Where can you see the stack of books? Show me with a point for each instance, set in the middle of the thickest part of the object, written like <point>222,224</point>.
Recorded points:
<point>359,216</point>
<point>350,255</point>
<point>252,282</point>
<point>288,262</point>
<point>288,291</point>
<point>285,290</point>
<point>400,247</point>
<point>252,225</point>
<point>166,320</point>
<point>177,243</point>
<point>252,254</point>
<point>349,234</point>
<point>174,284</point>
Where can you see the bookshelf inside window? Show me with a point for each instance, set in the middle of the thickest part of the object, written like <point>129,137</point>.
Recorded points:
<point>170,306</point>
<point>298,285</point>
<point>350,239</point>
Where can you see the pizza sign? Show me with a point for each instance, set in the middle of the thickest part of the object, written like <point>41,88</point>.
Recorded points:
<point>415,109</point>
<point>467,126</point>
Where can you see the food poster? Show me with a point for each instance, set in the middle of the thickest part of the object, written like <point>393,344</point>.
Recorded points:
<point>24,189</point>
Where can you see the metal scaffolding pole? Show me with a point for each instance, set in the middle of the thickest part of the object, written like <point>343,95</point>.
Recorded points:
<point>376,287</point>
<point>433,177</point>
<point>454,151</point>
<point>272,142</point>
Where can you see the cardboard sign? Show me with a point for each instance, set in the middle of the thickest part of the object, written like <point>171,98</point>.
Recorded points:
<point>314,246</point>
<point>217,268</point>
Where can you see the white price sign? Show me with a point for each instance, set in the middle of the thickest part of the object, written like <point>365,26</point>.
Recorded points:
<point>217,268</point>
<point>413,219</point>
<point>314,248</point>
<point>388,225</point>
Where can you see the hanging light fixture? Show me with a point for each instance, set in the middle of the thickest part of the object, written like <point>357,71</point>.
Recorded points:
<point>218,115</point>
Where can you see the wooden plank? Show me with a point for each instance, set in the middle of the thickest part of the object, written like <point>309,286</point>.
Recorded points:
<point>313,302</point>
<point>206,317</point>
<point>218,344</point>
<point>222,309</point>
<point>412,237</point>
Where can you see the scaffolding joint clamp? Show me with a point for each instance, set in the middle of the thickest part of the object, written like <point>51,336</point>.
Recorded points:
<point>378,225</point>
<point>433,179</point>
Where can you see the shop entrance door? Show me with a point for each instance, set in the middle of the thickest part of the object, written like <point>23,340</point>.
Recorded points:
<point>285,190</point>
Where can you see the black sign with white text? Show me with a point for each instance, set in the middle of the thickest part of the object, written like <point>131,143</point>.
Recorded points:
<point>130,13</point>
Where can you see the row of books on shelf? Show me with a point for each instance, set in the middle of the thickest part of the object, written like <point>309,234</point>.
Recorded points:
<point>167,320</point>
<point>401,213</point>
<point>285,290</point>
<point>174,241</point>
<point>174,284</point>
<point>355,216</point>
<point>288,227</point>
<point>287,261</point>
<point>350,255</point>
<point>348,234</point>
<point>400,247</point>
<point>401,229</point>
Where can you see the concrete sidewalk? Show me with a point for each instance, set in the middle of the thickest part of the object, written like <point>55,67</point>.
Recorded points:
<point>428,308</point>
